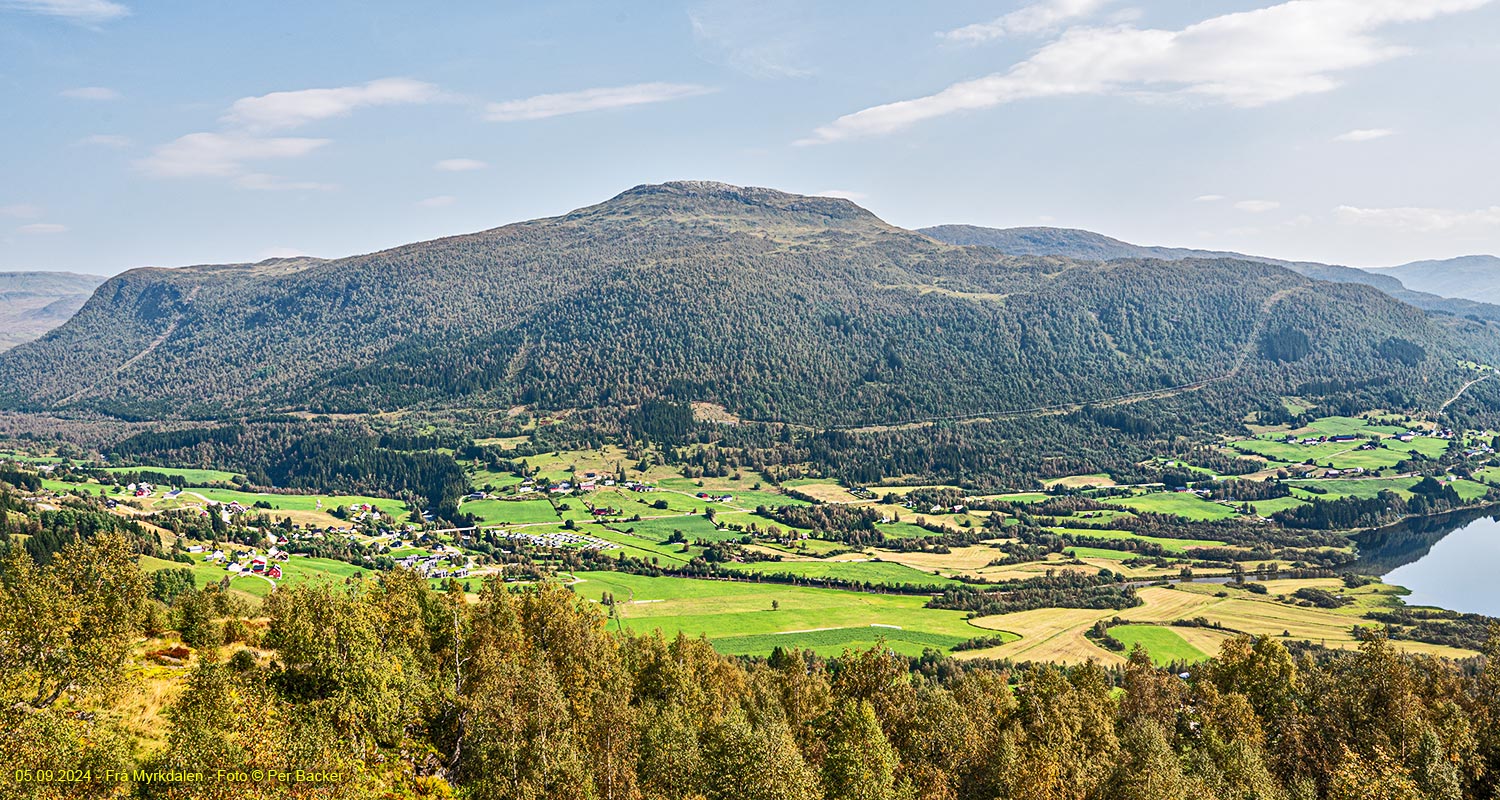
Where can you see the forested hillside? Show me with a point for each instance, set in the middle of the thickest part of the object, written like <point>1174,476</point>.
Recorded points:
<point>1444,297</point>
<point>776,306</point>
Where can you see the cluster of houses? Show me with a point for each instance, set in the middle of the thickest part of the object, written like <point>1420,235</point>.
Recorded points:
<point>589,482</point>
<point>1478,451</point>
<point>251,562</point>
<point>141,489</point>
<point>719,498</point>
<point>432,566</point>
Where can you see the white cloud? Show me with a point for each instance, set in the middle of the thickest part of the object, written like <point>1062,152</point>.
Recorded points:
<point>441,201</point>
<point>21,211</point>
<point>1421,220</point>
<point>843,194</point>
<point>76,10</point>
<point>1040,17</point>
<point>221,155</point>
<point>1364,135</point>
<point>91,93</point>
<point>107,140</point>
<point>1257,206</point>
<point>1245,59</point>
<point>1208,198</point>
<point>459,165</point>
<point>554,105</point>
<point>281,110</point>
<point>43,228</point>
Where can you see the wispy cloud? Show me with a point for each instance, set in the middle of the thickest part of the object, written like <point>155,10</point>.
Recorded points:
<point>1208,198</point>
<point>21,211</point>
<point>42,228</point>
<point>221,155</point>
<point>1246,59</point>
<point>1257,206</point>
<point>764,39</point>
<point>91,93</point>
<point>1421,220</point>
<point>1042,17</point>
<point>1364,135</point>
<point>555,105</point>
<point>282,110</point>
<point>245,141</point>
<point>459,165</point>
<point>86,11</point>
<point>441,201</point>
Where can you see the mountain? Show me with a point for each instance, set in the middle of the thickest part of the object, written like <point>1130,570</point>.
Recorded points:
<point>1471,277</point>
<point>1074,243</point>
<point>773,305</point>
<point>32,303</point>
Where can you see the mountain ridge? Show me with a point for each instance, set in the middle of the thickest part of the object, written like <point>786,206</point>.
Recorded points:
<point>1085,244</point>
<point>1473,277</point>
<point>34,302</point>
<point>774,305</point>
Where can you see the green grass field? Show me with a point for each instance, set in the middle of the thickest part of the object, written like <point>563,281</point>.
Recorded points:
<point>1366,488</point>
<point>836,640</point>
<point>904,530</point>
<point>1164,644</point>
<point>876,572</point>
<point>294,502</point>
<point>511,512</point>
<point>694,527</point>
<point>734,610</point>
<point>644,546</point>
<point>1181,504</point>
<point>743,498</point>
<point>187,475</point>
<point>1292,453</point>
<point>1426,445</point>
<point>1266,508</point>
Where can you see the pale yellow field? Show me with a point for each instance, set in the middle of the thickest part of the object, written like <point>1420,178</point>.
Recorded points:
<point>1080,481</point>
<point>1057,634</point>
<point>961,559</point>
<point>829,493</point>
<point>902,491</point>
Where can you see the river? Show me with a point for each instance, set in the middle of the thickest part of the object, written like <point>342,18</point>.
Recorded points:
<point>1452,561</point>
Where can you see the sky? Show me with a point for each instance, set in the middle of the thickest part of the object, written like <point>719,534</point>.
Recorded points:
<point>169,132</point>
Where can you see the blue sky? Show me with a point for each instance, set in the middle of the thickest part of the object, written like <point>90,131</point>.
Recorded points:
<point>168,133</point>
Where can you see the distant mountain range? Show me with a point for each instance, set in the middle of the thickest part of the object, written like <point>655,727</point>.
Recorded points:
<point>1462,287</point>
<point>32,303</point>
<point>776,306</point>
<point>1472,277</point>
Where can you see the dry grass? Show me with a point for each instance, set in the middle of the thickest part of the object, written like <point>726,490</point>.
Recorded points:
<point>1057,634</point>
<point>969,559</point>
<point>829,493</point>
<point>1081,481</point>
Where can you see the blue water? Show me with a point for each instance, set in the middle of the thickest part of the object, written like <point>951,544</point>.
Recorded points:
<point>1461,571</point>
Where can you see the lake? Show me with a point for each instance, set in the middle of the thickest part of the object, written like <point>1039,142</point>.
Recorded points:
<point>1451,561</point>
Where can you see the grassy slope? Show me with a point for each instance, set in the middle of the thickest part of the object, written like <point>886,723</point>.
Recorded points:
<point>730,610</point>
